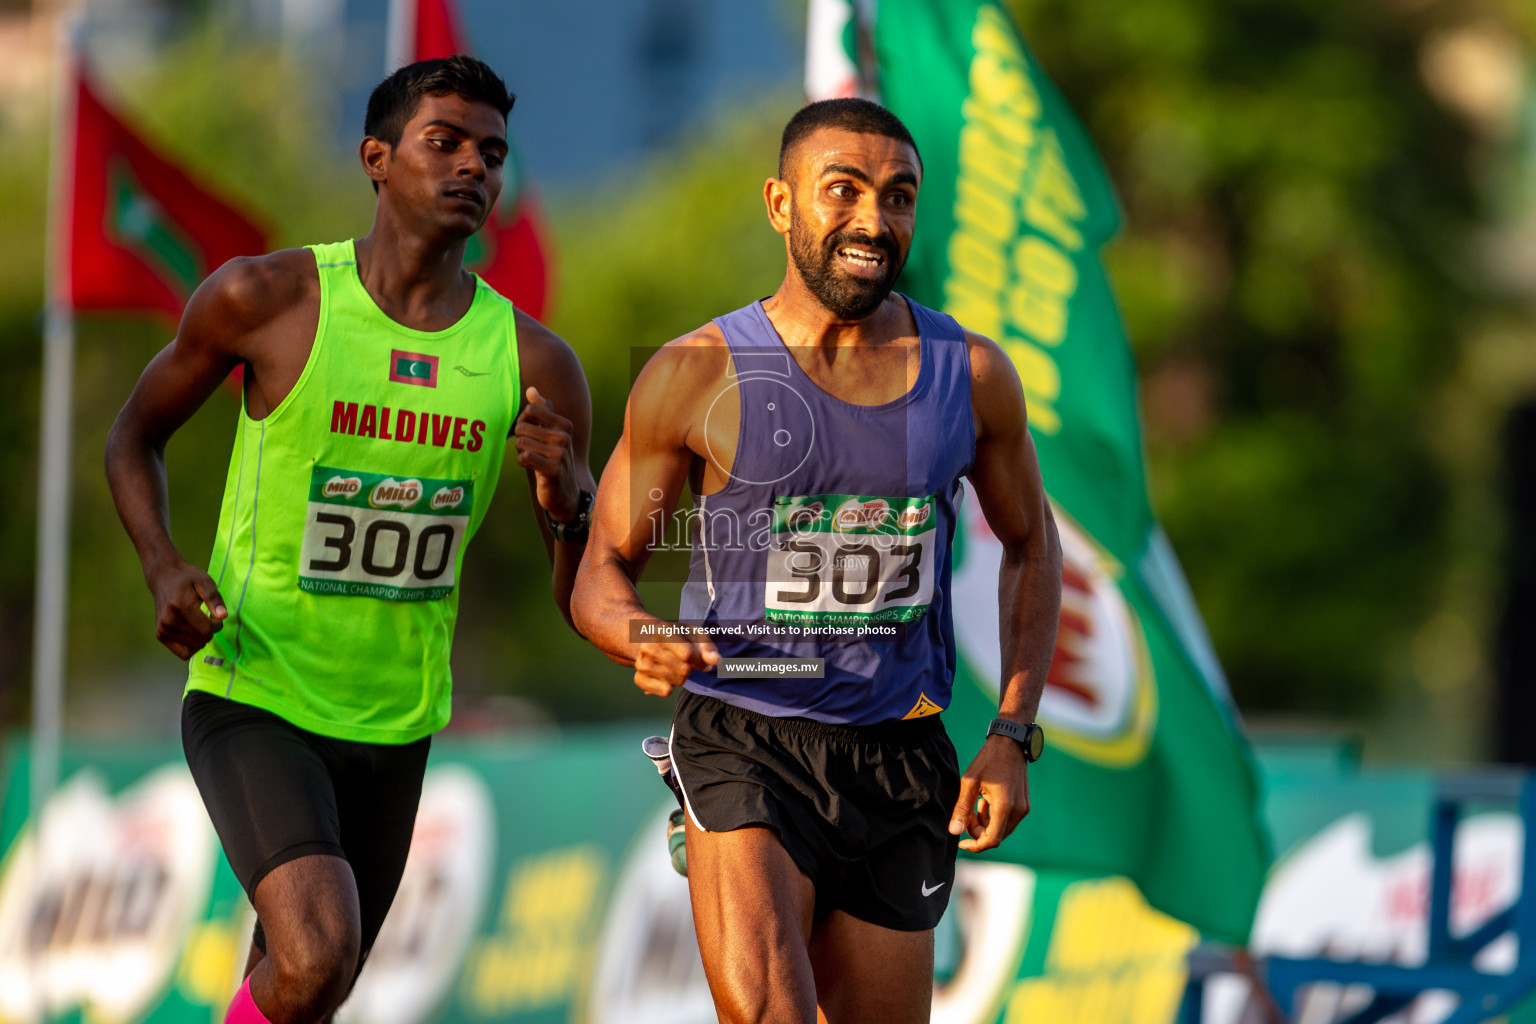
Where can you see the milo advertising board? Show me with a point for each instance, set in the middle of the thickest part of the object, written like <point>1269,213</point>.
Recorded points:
<point>538,889</point>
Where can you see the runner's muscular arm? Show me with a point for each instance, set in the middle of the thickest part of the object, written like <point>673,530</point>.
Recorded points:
<point>218,331</point>
<point>640,488</point>
<point>1006,478</point>
<point>553,436</point>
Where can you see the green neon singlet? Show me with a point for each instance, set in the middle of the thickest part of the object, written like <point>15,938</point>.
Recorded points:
<point>347,511</point>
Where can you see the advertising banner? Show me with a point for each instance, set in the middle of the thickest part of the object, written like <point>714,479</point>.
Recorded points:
<point>539,889</point>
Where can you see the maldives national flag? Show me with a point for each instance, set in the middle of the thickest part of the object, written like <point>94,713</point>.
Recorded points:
<point>509,251</point>
<point>140,233</point>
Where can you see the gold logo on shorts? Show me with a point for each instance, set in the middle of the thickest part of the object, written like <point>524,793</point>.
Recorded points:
<point>922,708</point>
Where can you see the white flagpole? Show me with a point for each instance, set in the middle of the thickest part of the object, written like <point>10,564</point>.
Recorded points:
<point>55,448</point>
<point>866,13</point>
<point>831,71</point>
<point>400,43</point>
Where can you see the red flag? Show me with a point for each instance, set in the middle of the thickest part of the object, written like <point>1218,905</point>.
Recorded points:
<point>436,30</point>
<point>510,251</point>
<point>141,234</point>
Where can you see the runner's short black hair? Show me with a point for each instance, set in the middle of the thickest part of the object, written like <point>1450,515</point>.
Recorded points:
<point>394,100</point>
<point>850,115</point>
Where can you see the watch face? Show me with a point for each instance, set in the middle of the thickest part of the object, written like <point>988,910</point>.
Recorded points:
<point>1036,742</point>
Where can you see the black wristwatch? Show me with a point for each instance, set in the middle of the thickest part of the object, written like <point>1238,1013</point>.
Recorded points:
<point>575,531</point>
<point>1031,737</point>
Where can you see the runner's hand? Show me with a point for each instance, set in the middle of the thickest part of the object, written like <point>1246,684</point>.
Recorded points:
<point>180,593</point>
<point>994,795</point>
<point>543,440</point>
<point>662,666</point>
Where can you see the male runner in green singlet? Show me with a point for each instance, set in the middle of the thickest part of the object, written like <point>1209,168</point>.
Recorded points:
<point>382,382</point>
<point>824,433</point>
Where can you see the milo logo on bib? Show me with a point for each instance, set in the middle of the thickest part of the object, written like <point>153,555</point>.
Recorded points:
<point>857,514</point>
<point>373,535</point>
<point>448,497</point>
<point>341,487</point>
<point>840,559</point>
<point>399,493</point>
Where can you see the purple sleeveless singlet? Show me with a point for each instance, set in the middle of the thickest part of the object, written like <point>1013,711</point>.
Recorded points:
<point>837,518</point>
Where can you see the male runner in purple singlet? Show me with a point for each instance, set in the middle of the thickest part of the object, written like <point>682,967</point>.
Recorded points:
<point>824,433</point>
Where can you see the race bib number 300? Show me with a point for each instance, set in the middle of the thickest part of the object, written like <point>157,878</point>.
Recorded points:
<point>396,538</point>
<point>844,559</point>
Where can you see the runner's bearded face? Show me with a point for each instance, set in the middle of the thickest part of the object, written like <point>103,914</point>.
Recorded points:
<point>851,218</point>
<point>446,172</point>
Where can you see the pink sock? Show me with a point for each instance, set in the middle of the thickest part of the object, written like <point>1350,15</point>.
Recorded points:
<point>243,1009</point>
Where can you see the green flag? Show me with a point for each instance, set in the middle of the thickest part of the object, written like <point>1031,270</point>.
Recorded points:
<point>1146,773</point>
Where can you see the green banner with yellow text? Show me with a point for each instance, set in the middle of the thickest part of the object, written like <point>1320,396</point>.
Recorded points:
<point>539,890</point>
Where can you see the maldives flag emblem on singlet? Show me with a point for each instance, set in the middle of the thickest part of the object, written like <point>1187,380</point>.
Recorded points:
<point>412,368</point>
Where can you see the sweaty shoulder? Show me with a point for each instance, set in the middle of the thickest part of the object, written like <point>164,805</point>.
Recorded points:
<point>249,293</point>
<point>679,381</point>
<point>997,398</point>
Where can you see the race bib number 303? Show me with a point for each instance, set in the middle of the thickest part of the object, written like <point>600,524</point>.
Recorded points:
<point>845,559</point>
<point>395,538</point>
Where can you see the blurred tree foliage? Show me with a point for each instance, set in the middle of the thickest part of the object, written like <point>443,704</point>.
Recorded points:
<point>22,174</point>
<point>1296,274</point>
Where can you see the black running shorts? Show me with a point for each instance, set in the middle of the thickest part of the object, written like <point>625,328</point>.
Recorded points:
<point>863,810</point>
<point>276,792</point>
